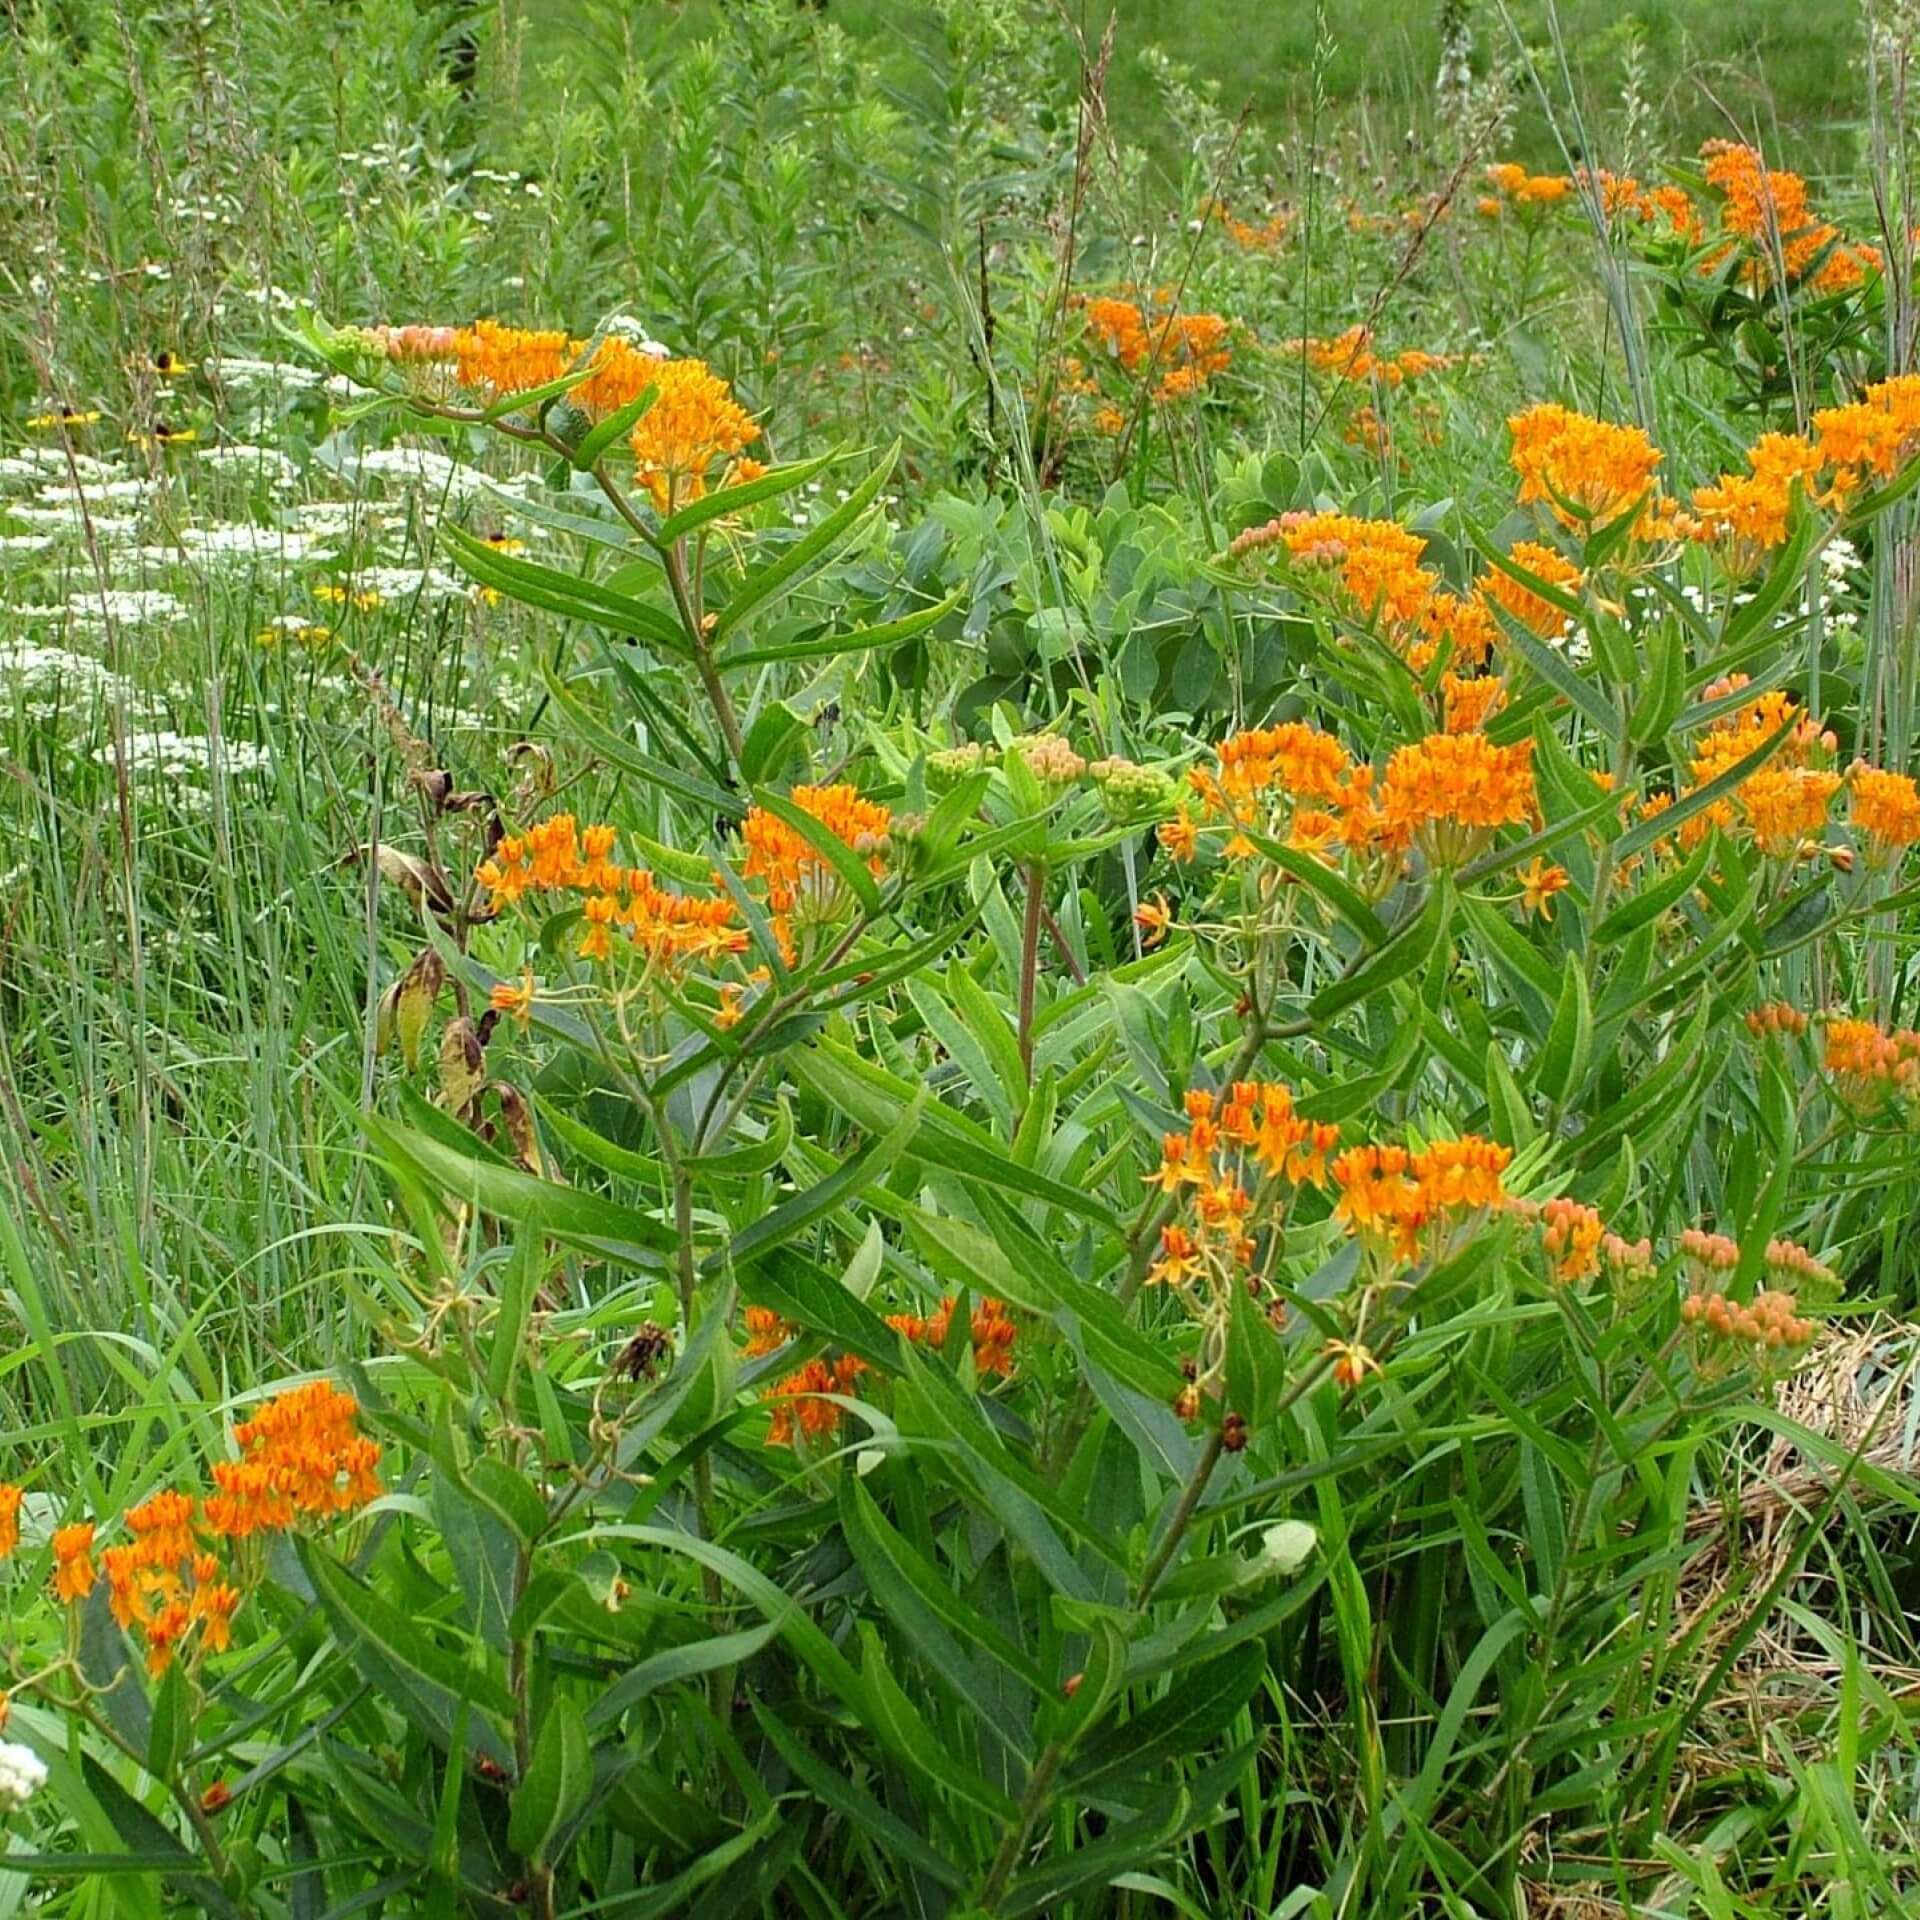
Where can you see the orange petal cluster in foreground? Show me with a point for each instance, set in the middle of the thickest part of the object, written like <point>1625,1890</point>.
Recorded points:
<point>666,930</point>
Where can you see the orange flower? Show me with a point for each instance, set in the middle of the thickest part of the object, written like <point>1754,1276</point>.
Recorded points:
<point>514,999</point>
<point>1886,808</point>
<point>164,1633</point>
<point>10,1498</point>
<point>1179,1258</point>
<point>766,1331</point>
<point>800,1400</point>
<point>212,1609</point>
<point>795,874</point>
<point>1587,471</point>
<point>497,360</point>
<point>1571,1235</point>
<point>1534,611</point>
<point>693,423</point>
<point>1538,884</point>
<point>1467,705</point>
<point>1451,790</point>
<point>1352,1362</point>
<point>1153,917</point>
<point>1751,509</point>
<point>73,1574</point>
<point>992,1329</point>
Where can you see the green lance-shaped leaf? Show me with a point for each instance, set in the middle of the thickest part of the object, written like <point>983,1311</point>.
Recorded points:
<point>812,550</point>
<point>558,1779</point>
<point>1563,1061</point>
<point>625,755</point>
<point>615,427</point>
<point>890,633</point>
<point>748,493</point>
<point>567,594</point>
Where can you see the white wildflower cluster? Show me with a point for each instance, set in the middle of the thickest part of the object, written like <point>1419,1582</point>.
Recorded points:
<point>126,607</point>
<point>22,1774</point>
<point>187,755</point>
<point>243,373</point>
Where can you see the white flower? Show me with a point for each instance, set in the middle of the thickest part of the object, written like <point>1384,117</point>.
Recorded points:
<point>184,753</point>
<point>22,1774</point>
<point>243,541</point>
<point>132,607</point>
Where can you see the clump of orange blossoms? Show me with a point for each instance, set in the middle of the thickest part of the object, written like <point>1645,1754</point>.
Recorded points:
<point>801,885</point>
<point>1770,211</point>
<point>1351,356</point>
<point>1783,803</point>
<point>1885,808</point>
<point>1588,472</point>
<point>992,1328</point>
<point>1448,793</point>
<point>1870,1067</point>
<point>1406,1203</point>
<point>668,931</point>
<point>1373,572</point>
<point>1528,190</point>
<point>1873,436</point>
<point>693,425</point>
<point>1534,611</point>
<point>1751,510</point>
<point>1234,1169</point>
<point>1185,350</point>
<point>802,1403</point>
<point>301,1455</point>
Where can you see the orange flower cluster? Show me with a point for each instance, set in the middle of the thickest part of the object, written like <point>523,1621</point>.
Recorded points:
<point>1785,802</point>
<point>10,1498</point>
<point>1292,782</point>
<point>1875,435</point>
<point>1405,1203</point>
<point>1515,184</point>
<point>1449,792</point>
<point>1587,471</point>
<point>1185,349</point>
<point>669,931</point>
<point>767,1332</point>
<point>1239,1158</point>
<point>1351,356</point>
<point>492,359</point>
<point>73,1570</point>
<point>1771,212</point>
<point>148,1582</point>
<point>1572,1236</point>
<point>1266,237</point>
<point>1776,1016</point>
<point>1374,570</point>
<point>1790,1263</point>
<point>1885,808</point>
<point>1751,509</point>
<point>301,1454</point>
<point>693,424</point>
<point>1771,1322</point>
<point>1623,197</point>
<point>797,879</point>
<point>993,1330</point>
<point>1467,705</point>
<point>800,1402</point>
<point>1533,611</point>
<point>1870,1066</point>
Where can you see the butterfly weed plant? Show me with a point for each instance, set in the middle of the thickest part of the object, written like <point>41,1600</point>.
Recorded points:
<point>1087,1186</point>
